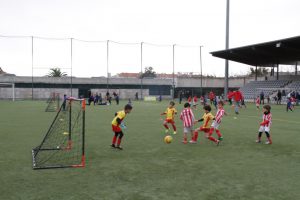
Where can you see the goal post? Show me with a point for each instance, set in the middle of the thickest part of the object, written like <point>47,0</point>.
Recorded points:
<point>53,102</point>
<point>5,93</point>
<point>63,145</point>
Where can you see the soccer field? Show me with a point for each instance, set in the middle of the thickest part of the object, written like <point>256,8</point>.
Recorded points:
<point>148,168</point>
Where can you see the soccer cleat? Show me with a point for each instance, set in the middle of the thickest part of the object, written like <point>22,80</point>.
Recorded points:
<point>113,146</point>
<point>220,138</point>
<point>120,148</point>
<point>218,142</point>
<point>192,142</point>
<point>167,130</point>
<point>174,132</point>
<point>268,142</point>
<point>257,141</point>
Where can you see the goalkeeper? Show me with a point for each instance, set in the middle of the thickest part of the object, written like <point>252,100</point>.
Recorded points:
<point>117,126</point>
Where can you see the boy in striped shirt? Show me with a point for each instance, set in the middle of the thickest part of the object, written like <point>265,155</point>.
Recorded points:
<point>265,125</point>
<point>187,117</point>
<point>216,123</point>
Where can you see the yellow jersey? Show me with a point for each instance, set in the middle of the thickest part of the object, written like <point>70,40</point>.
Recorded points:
<point>170,112</point>
<point>207,120</point>
<point>121,115</point>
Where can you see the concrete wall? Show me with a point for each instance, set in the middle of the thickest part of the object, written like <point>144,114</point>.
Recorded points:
<point>44,93</point>
<point>94,80</point>
<point>38,93</point>
<point>123,93</point>
<point>212,82</point>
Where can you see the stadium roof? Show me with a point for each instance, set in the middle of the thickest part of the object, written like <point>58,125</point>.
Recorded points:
<point>284,52</point>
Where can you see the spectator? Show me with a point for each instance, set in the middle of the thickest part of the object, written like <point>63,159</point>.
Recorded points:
<point>180,97</point>
<point>229,96</point>
<point>100,99</point>
<point>137,96</point>
<point>211,97</point>
<point>117,99</point>
<point>262,97</point>
<point>91,99</point>
<point>279,96</point>
<point>96,100</point>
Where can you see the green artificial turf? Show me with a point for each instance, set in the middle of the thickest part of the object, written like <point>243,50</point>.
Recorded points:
<point>147,168</point>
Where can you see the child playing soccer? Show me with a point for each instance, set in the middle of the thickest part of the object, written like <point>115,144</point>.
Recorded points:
<point>216,123</point>
<point>265,124</point>
<point>117,126</point>
<point>187,117</point>
<point>195,102</point>
<point>257,102</point>
<point>207,120</point>
<point>289,105</point>
<point>170,113</point>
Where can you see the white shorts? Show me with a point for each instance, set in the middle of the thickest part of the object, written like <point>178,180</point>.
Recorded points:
<point>187,129</point>
<point>264,129</point>
<point>215,125</point>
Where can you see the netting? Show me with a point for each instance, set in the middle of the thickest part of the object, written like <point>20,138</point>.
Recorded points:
<point>53,103</point>
<point>63,145</point>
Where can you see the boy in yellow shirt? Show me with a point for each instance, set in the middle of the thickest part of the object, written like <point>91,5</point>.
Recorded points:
<point>207,121</point>
<point>170,113</point>
<point>117,126</point>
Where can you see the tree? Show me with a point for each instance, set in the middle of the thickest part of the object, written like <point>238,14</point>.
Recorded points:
<point>149,73</point>
<point>56,72</point>
<point>260,71</point>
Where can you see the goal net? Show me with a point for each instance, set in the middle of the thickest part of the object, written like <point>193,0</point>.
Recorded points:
<point>63,144</point>
<point>53,103</point>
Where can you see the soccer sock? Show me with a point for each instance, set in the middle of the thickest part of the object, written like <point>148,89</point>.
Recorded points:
<point>212,138</point>
<point>166,126</point>
<point>114,140</point>
<point>184,138</point>
<point>268,137</point>
<point>211,130</point>
<point>219,133</point>
<point>259,135</point>
<point>195,136</point>
<point>119,141</point>
<point>174,127</point>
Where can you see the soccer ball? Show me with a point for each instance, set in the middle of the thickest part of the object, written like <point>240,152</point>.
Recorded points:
<point>168,139</point>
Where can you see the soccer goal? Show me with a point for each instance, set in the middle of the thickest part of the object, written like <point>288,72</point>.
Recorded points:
<point>63,144</point>
<point>53,103</point>
<point>7,91</point>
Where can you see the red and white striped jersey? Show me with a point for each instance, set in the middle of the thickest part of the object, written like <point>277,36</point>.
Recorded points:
<point>267,119</point>
<point>187,117</point>
<point>257,100</point>
<point>219,115</point>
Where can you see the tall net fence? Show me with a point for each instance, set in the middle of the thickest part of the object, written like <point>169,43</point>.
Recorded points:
<point>114,66</point>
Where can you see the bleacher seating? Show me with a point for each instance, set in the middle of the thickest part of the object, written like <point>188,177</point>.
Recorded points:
<point>295,85</point>
<point>254,88</point>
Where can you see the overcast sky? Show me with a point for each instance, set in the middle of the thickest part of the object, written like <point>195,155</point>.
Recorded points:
<point>185,22</point>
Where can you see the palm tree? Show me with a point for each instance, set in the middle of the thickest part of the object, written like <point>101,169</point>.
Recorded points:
<point>56,72</point>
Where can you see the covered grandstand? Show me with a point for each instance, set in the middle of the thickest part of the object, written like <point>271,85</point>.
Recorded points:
<point>268,54</point>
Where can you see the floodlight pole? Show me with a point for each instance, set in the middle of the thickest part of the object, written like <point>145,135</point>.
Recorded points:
<point>201,86</point>
<point>107,63</point>
<point>141,76</point>
<point>71,57</point>
<point>31,67</point>
<point>173,72</point>
<point>227,46</point>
